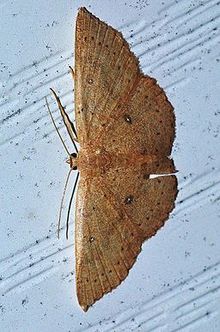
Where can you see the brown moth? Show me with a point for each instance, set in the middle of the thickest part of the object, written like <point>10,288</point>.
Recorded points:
<point>125,130</point>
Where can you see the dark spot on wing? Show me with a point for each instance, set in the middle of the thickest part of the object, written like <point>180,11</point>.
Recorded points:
<point>129,199</point>
<point>128,119</point>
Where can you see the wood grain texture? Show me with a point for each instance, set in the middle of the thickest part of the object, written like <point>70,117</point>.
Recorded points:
<point>125,127</point>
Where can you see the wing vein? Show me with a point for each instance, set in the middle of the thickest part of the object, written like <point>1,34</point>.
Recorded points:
<point>113,267</point>
<point>95,264</point>
<point>127,96</point>
<point>98,76</point>
<point>127,218</point>
<point>84,70</point>
<point>103,267</point>
<point>89,271</point>
<point>122,257</point>
<point>109,92</point>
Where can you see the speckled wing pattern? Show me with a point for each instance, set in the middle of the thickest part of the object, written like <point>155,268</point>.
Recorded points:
<point>124,113</point>
<point>105,70</point>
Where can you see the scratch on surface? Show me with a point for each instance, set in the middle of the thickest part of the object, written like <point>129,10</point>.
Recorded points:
<point>203,190</point>
<point>174,303</point>
<point>31,280</point>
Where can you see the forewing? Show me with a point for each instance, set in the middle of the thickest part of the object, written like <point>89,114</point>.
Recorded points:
<point>115,215</point>
<point>116,106</point>
<point>144,124</point>
<point>105,73</point>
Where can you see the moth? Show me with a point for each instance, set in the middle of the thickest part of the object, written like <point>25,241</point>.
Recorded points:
<point>125,128</point>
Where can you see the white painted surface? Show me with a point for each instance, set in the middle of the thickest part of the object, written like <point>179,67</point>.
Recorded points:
<point>175,284</point>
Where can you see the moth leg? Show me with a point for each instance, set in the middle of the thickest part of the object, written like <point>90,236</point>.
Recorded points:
<point>72,72</point>
<point>70,203</point>
<point>69,125</point>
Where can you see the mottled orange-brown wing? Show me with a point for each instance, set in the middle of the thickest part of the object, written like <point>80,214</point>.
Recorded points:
<point>105,73</point>
<point>114,215</point>
<point>144,124</point>
<point>116,106</point>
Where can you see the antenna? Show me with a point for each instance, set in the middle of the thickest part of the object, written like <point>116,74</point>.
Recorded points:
<point>56,127</point>
<point>71,129</point>
<point>69,125</point>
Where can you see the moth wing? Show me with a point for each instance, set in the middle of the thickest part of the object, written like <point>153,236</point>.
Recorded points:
<point>114,215</point>
<point>144,124</point>
<point>105,73</point>
<point>116,106</point>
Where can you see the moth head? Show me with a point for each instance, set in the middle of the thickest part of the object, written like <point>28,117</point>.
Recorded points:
<point>72,161</point>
